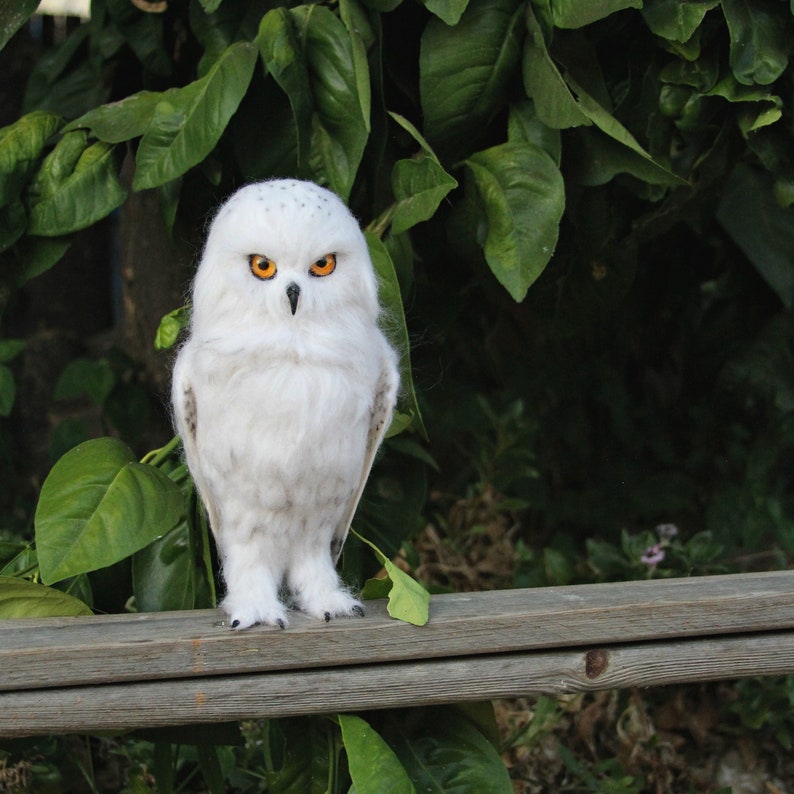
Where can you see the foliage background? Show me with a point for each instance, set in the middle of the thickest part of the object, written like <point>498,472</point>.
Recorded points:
<point>582,210</point>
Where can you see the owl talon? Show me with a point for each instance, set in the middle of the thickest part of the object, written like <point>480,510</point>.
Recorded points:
<point>281,624</point>
<point>235,624</point>
<point>327,617</point>
<point>358,611</point>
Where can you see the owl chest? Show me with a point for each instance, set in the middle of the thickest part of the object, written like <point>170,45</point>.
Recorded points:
<point>287,418</point>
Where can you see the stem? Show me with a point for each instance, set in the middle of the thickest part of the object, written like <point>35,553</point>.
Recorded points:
<point>381,223</point>
<point>157,456</point>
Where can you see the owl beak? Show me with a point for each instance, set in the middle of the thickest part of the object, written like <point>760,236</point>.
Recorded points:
<point>293,293</point>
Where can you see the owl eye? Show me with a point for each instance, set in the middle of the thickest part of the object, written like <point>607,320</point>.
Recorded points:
<point>262,267</point>
<point>324,266</point>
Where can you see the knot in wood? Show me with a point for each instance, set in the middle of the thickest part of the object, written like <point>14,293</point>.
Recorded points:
<point>596,662</point>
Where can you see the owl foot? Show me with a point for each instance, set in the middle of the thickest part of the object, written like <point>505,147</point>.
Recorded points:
<point>244,614</point>
<point>334,604</point>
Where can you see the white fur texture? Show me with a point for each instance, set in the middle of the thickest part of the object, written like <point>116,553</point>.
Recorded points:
<point>281,414</point>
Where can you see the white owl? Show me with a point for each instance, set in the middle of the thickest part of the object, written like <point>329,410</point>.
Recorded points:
<point>282,394</point>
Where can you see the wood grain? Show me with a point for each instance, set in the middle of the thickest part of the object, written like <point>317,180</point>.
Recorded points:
<point>277,694</point>
<point>58,652</point>
<point>126,671</point>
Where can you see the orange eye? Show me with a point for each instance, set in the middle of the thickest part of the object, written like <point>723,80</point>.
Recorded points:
<point>262,267</point>
<point>324,266</point>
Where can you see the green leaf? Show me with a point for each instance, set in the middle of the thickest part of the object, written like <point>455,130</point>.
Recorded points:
<point>39,254</point>
<point>523,197</point>
<point>555,105</point>
<point>76,186</point>
<point>167,574</point>
<point>374,768</point>
<point>653,172</point>
<point>21,145</point>
<point>8,390</point>
<point>120,121</point>
<point>13,16</point>
<point>340,124</point>
<point>676,20</point>
<point>450,11</point>
<point>524,126</point>
<point>188,122</point>
<point>377,587</point>
<point>317,62</point>
<point>408,600</point>
<point>83,377</point>
<point>98,505</point>
<point>761,228</point>
<point>13,223</point>
<point>357,23</point>
<point>170,327</point>
<point>465,71</point>
<point>394,327</point>
<point>281,51</point>
<point>20,598</point>
<point>760,40</point>
<point>419,184</point>
<point>10,349</point>
<point>444,752</point>
<point>578,13</point>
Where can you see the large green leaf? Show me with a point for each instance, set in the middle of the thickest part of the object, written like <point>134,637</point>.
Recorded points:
<point>466,70</point>
<point>282,54</point>
<point>676,20</point>
<point>119,121</point>
<point>317,62</point>
<point>13,16</point>
<point>761,40</point>
<point>339,128</point>
<point>21,144</point>
<point>523,197</point>
<point>374,768</point>
<point>578,13</point>
<point>76,186</point>
<point>555,105</point>
<point>761,228</point>
<point>419,183</point>
<point>444,752</point>
<point>98,505</point>
<point>394,327</point>
<point>20,598</point>
<point>188,122</point>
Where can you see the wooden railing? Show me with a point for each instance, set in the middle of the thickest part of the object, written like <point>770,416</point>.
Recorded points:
<point>116,672</point>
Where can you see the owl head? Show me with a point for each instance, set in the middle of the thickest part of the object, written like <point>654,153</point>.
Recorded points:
<point>283,252</point>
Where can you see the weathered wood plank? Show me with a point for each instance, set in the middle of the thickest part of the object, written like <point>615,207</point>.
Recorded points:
<point>276,694</point>
<point>60,652</point>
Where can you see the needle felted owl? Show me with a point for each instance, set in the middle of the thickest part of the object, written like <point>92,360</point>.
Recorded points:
<point>282,394</point>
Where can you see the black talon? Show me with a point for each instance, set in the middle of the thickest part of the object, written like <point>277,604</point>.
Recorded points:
<point>358,611</point>
<point>281,624</point>
<point>235,624</point>
<point>327,617</point>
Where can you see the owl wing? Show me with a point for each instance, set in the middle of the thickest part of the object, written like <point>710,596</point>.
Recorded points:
<point>381,412</point>
<point>183,399</point>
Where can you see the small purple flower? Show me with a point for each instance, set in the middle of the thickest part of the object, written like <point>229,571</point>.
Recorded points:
<point>666,531</point>
<point>653,555</point>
